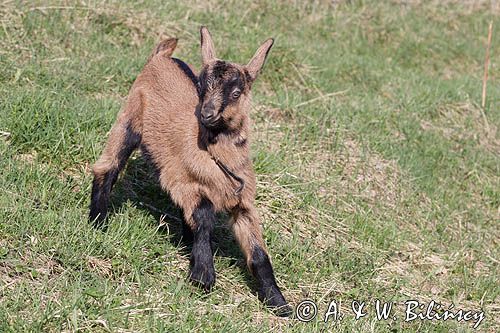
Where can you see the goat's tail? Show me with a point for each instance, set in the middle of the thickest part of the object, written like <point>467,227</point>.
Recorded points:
<point>166,47</point>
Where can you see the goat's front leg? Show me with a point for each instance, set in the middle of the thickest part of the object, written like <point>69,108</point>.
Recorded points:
<point>247,230</point>
<point>201,222</point>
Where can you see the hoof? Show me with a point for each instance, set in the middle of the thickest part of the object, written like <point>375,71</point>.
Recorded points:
<point>274,300</point>
<point>283,311</point>
<point>203,276</point>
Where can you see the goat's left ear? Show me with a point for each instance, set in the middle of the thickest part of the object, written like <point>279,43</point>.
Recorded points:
<point>256,63</point>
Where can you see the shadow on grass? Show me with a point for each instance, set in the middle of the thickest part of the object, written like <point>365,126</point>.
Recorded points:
<point>139,185</point>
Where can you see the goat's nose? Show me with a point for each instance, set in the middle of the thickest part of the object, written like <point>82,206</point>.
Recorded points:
<point>208,111</point>
<point>207,116</point>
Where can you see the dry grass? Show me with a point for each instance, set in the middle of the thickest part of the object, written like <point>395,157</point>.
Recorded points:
<point>465,122</point>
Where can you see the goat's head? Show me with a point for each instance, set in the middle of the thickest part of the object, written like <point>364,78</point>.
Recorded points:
<point>225,87</point>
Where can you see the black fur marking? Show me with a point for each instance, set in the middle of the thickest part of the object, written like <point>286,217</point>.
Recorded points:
<point>131,142</point>
<point>102,189</point>
<point>202,84</point>
<point>100,197</point>
<point>218,73</point>
<point>220,68</point>
<point>189,73</point>
<point>187,233</point>
<point>268,291</point>
<point>202,269</point>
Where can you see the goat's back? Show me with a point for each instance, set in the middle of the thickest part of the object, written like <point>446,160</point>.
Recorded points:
<point>168,95</point>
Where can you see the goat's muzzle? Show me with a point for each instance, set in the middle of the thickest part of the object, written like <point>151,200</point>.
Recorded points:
<point>208,115</point>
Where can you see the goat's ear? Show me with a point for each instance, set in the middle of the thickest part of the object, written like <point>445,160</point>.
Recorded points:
<point>256,63</point>
<point>207,46</point>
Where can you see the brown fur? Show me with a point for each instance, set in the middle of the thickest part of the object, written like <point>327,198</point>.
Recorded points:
<point>163,110</point>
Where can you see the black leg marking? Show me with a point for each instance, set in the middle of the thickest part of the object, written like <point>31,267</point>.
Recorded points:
<point>100,196</point>
<point>187,233</point>
<point>202,270</point>
<point>102,188</point>
<point>268,291</point>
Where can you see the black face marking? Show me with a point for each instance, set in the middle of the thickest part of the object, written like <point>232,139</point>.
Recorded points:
<point>226,77</point>
<point>229,83</point>
<point>216,74</point>
<point>220,68</point>
<point>101,188</point>
<point>235,82</point>
<point>189,73</point>
<point>268,291</point>
<point>202,269</point>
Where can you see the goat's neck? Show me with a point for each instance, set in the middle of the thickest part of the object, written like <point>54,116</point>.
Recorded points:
<point>229,146</point>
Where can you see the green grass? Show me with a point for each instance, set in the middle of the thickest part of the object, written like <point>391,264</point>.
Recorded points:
<point>378,171</point>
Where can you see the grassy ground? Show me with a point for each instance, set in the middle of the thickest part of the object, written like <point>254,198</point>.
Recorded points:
<point>378,171</point>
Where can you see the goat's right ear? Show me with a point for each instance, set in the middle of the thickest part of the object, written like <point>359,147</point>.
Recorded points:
<point>207,46</point>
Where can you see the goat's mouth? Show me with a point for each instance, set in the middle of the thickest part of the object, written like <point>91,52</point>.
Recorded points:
<point>212,123</point>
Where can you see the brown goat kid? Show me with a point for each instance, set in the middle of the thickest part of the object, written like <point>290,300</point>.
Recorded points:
<point>195,131</point>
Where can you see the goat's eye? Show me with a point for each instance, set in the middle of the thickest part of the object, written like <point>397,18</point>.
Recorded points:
<point>236,94</point>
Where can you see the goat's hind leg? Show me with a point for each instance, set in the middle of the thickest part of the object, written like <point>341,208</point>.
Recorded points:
<point>247,231</point>
<point>122,141</point>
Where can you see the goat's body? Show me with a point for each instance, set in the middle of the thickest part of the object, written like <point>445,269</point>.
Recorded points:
<point>171,128</point>
<point>161,112</point>
<point>199,168</point>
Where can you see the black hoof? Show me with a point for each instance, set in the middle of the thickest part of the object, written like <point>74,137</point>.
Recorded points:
<point>283,311</point>
<point>98,218</point>
<point>274,300</point>
<point>203,276</point>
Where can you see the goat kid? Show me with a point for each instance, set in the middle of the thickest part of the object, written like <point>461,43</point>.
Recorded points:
<point>195,131</point>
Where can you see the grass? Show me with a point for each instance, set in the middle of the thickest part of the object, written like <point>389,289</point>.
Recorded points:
<point>378,171</point>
